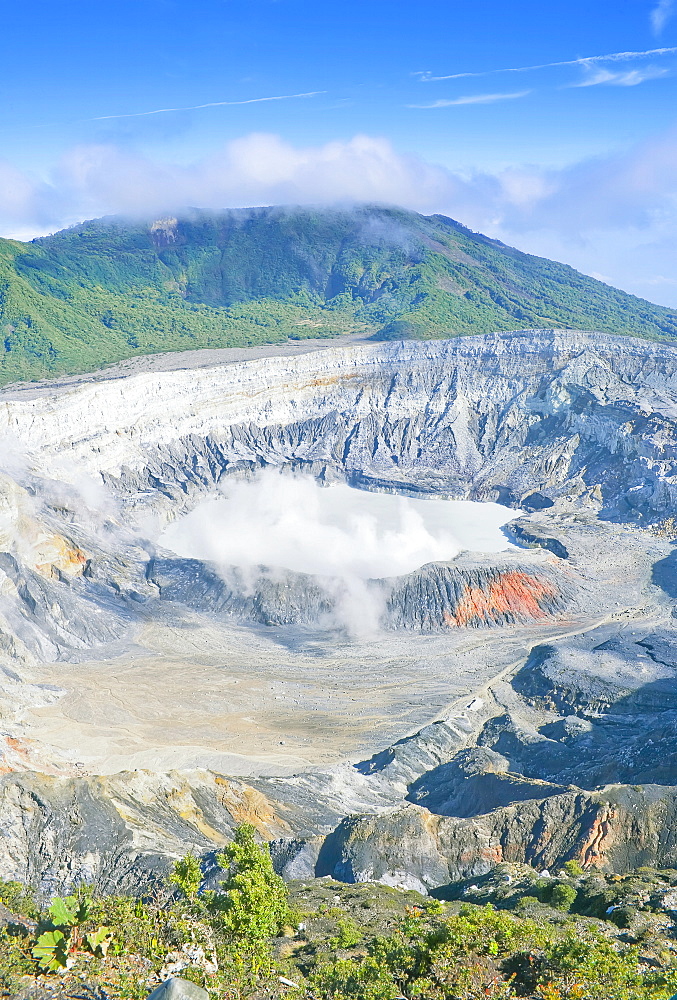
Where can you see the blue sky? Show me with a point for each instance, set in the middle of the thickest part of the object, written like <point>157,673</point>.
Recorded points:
<point>551,126</point>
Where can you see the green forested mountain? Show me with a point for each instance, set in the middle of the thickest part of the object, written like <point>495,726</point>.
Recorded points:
<point>111,288</point>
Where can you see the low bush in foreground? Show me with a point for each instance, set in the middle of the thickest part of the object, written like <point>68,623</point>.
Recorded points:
<point>254,937</point>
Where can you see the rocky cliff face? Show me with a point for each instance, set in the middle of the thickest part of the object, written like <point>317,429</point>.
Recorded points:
<point>502,415</point>
<point>538,761</point>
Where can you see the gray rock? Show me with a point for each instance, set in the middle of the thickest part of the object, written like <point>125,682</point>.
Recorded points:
<point>178,989</point>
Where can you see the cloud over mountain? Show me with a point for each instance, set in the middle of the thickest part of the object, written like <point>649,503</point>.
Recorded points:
<point>595,214</point>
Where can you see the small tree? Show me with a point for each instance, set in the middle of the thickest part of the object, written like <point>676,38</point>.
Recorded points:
<point>563,896</point>
<point>255,904</point>
<point>186,874</point>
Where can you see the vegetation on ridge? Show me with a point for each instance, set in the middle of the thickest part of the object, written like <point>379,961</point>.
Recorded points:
<point>110,289</point>
<point>254,937</point>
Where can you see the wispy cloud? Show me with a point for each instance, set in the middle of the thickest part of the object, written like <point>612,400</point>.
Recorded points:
<point>472,99</point>
<point>630,78</point>
<point>661,14</point>
<point>199,107</point>
<point>659,279</point>
<point>427,77</point>
<point>165,111</point>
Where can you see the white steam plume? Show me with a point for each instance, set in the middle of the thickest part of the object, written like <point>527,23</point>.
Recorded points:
<point>290,522</point>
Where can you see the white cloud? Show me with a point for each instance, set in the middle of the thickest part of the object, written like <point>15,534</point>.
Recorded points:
<point>615,215</point>
<point>19,197</point>
<point>255,169</point>
<point>661,14</point>
<point>596,75</point>
<point>472,99</point>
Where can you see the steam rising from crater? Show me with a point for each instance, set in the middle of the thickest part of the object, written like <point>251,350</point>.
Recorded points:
<point>290,521</point>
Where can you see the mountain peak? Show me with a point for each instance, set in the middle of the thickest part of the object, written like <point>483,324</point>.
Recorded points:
<point>112,288</point>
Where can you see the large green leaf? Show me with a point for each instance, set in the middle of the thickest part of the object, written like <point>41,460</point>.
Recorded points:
<point>69,911</point>
<point>98,941</point>
<point>51,951</point>
<point>63,912</point>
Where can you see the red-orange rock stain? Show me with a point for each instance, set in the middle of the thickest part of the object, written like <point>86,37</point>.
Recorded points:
<point>19,748</point>
<point>513,593</point>
<point>494,854</point>
<point>593,851</point>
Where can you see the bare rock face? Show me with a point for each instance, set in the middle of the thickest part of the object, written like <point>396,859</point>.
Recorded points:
<point>474,782</point>
<point>434,598</point>
<point>537,412</point>
<point>618,828</point>
<point>565,748</point>
<point>446,596</point>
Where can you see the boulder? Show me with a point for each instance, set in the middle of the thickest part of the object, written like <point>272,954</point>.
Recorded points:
<point>178,989</point>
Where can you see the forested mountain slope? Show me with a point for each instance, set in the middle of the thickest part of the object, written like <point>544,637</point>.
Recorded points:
<point>110,289</point>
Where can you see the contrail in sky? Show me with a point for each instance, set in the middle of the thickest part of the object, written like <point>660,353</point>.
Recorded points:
<point>198,107</point>
<point>163,111</point>
<point>611,57</point>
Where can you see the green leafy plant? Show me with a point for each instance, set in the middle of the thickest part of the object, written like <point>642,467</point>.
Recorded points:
<point>186,874</point>
<point>68,912</point>
<point>562,897</point>
<point>99,941</point>
<point>51,950</point>
<point>56,946</point>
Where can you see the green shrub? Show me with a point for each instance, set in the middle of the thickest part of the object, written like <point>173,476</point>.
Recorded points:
<point>562,897</point>
<point>366,979</point>
<point>186,874</point>
<point>526,901</point>
<point>405,950</point>
<point>254,904</point>
<point>16,961</point>
<point>349,934</point>
<point>623,916</point>
<point>18,898</point>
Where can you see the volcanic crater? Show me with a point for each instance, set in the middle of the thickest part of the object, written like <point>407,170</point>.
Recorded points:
<point>167,697</point>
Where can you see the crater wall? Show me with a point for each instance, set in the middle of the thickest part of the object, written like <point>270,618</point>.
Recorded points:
<point>496,416</point>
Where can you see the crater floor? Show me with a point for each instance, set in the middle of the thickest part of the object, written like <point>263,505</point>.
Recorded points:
<point>197,693</point>
<point>189,690</point>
